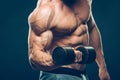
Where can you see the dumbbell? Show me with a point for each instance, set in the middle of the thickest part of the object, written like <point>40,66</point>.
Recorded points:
<point>65,55</point>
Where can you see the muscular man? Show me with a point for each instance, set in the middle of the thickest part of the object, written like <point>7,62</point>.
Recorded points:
<point>63,23</point>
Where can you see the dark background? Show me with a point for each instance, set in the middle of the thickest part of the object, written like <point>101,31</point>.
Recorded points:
<point>14,64</point>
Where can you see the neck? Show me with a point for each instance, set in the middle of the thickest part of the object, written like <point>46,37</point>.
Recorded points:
<point>69,2</point>
<point>64,0</point>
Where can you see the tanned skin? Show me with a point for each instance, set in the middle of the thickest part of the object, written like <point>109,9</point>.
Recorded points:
<point>63,23</point>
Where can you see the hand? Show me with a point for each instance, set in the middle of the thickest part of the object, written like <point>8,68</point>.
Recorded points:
<point>103,74</point>
<point>78,57</point>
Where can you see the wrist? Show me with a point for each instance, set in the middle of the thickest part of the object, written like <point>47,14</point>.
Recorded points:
<point>103,67</point>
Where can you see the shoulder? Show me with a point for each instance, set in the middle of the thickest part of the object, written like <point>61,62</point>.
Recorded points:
<point>40,18</point>
<point>44,9</point>
<point>90,1</point>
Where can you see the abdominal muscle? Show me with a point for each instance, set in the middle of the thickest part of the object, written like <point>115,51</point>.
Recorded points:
<point>77,38</point>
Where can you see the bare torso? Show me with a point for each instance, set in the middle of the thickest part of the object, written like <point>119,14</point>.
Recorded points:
<point>66,23</point>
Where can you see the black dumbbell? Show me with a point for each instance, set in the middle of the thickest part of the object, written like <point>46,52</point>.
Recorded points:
<point>66,55</point>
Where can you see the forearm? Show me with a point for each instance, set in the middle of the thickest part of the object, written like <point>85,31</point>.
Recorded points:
<point>42,61</point>
<point>95,41</point>
<point>100,59</point>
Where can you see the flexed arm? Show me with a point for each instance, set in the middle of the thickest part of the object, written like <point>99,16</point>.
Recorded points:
<point>40,38</point>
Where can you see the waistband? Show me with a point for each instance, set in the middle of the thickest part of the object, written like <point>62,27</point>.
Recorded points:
<point>69,71</point>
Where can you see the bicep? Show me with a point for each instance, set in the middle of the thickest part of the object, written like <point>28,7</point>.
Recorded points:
<point>39,42</point>
<point>39,57</point>
<point>94,34</point>
<point>91,23</point>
